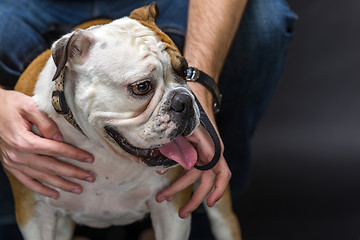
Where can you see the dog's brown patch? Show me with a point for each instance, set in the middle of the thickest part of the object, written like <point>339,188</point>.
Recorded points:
<point>146,16</point>
<point>24,200</point>
<point>182,197</point>
<point>224,207</point>
<point>27,80</point>
<point>92,23</point>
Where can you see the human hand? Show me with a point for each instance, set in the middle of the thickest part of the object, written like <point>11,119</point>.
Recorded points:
<point>30,158</point>
<point>213,182</point>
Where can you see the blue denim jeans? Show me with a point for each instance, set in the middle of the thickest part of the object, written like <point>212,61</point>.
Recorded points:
<point>248,80</point>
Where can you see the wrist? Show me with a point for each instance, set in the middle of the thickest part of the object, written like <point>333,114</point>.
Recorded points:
<point>202,93</point>
<point>212,95</point>
<point>205,98</point>
<point>204,66</point>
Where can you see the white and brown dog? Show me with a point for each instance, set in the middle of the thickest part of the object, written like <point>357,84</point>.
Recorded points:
<point>121,85</point>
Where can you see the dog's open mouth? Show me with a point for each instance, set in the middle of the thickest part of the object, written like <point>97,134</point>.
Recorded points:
<point>179,151</point>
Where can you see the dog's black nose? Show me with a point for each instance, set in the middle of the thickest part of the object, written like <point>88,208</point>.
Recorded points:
<point>182,103</point>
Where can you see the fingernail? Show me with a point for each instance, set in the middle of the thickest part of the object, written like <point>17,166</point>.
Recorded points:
<point>89,160</point>
<point>90,179</point>
<point>170,198</point>
<point>186,214</point>
<point>161,199</point>
<point>53,195</point>
<point>76,190</point>
<point>58,137</point>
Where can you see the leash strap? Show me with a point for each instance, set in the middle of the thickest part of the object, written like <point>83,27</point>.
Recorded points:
<point>205,121</point>
<point>195,75</point>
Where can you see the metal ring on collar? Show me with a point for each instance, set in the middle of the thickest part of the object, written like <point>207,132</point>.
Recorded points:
<point>195,75</point>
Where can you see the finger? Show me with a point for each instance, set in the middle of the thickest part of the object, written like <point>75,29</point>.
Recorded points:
<point>54,166</point>
<point>188,178</point>
<point>199,136</point>
<point>222,180</point>
<point>203,144</point>
<point>49,147</point>
<point>199,195</point>
<point>33,184</point>
<point>46,125</point>
<point>52,180</point>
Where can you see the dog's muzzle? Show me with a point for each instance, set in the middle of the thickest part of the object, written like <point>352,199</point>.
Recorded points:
<point>179,106</point>
<point>181,112</point>
<point>182,105</point>
<point>152,156</point>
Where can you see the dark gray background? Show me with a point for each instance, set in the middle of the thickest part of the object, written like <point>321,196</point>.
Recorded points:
<point>306,156</point>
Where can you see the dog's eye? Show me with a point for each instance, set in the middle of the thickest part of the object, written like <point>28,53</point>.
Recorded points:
<point>141,88</point>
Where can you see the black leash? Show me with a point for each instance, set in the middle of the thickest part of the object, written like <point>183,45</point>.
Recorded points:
<point>205,121</point>
<point>195,75</point>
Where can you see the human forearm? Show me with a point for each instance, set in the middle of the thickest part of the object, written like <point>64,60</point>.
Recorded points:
<point>211,27</point>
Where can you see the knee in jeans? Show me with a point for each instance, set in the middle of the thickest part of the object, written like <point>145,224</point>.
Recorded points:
<point>20,41</point>
<point>272,24</point>
<point>10,31</point>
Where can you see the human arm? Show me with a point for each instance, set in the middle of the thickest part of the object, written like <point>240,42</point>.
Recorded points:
<point>30,158</point>
<point>211,28</point>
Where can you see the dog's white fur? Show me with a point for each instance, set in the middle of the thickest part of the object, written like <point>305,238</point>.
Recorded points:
<point>124,191</point>
<point>97,91</point>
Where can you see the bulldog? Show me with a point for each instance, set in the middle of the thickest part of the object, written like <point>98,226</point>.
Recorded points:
<point>118,91</point>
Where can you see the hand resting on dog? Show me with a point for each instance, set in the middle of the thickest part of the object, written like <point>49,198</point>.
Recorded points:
<point>30,157</point>
<point>213,182</point>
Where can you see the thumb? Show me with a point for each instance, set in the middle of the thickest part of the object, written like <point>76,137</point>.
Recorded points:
<point>44,123</point>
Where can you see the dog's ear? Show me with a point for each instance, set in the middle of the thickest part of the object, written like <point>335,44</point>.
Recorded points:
<point>147,13</point>
<point>74,47</point>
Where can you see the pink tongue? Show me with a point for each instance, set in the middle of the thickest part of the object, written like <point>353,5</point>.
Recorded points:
<point>181,151</point>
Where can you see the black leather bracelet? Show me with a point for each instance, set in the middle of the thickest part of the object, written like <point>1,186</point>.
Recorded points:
<point>195,75</point>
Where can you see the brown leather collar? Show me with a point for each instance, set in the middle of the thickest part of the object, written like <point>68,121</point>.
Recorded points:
<point>59,102</point>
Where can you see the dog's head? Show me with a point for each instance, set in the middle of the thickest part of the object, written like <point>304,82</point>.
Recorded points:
<point>125,84</point>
